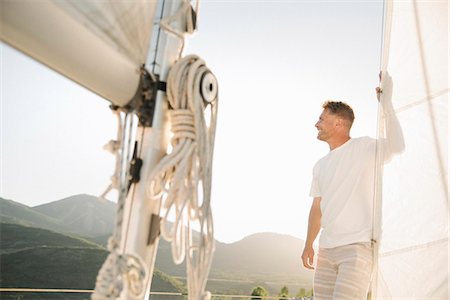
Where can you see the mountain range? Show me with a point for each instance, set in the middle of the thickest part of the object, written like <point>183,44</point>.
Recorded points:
<point>268,259</point>
<point>81,215</point>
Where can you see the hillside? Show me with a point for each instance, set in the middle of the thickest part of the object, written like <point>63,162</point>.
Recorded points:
<point>52,267</point>
<point>267,259</point>
<point>84,215</point>
<point>262,254</point>
<point>13,212</point>
<point>38,258</point>
<point>15,237</point>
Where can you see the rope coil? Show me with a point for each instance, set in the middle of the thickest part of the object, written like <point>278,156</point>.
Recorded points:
<point>182,179</point>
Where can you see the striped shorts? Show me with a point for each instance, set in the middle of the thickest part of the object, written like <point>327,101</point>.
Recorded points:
<point>343,272</point>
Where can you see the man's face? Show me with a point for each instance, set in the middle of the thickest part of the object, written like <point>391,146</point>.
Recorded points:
<point>326,125</point>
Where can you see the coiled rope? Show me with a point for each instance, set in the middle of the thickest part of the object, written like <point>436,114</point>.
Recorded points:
<point>182,179</point>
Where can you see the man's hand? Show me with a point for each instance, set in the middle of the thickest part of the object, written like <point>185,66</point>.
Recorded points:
<point>378,90</point>
<point>315,215</point>
<point>308,257</point>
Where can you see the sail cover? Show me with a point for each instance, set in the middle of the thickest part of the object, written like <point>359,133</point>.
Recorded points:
<point>99,44</point>
<point>414,249</point>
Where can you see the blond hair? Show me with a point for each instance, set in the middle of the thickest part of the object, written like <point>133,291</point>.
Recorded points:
<point>340,109</point>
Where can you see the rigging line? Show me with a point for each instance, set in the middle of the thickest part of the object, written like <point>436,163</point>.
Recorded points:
<point>158,36</point>
<point>382,34</point>
<point>386,31</point>
<point>139,152</point>
<point>376,201</point>
<point>124,151</point>
<point>133,189</point>
<point>31,290</point>
<point>44,290</point>
<point>130,141</point>
<point>114,146</point>
<point>378,170</point>
<point>125,237</point>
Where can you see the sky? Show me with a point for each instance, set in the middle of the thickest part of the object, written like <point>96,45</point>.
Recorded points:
<point>276,63</point>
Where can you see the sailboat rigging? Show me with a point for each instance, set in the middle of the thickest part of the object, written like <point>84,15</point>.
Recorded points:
<point>130,53</point>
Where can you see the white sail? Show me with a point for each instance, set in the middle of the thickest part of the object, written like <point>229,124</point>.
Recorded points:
<point>414,247</point>
<point>99,44</point>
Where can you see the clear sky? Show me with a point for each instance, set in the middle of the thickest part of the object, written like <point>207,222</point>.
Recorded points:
<point>276,62</point>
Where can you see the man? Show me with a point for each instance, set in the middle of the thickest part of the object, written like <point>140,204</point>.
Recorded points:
<point>343,188</point>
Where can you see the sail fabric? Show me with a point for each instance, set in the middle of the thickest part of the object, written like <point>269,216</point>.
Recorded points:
<point>99,44</point>
<point>413,256</point>
<point>123,25</point>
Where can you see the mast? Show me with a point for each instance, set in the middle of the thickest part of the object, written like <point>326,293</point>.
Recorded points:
<point>141,214</point>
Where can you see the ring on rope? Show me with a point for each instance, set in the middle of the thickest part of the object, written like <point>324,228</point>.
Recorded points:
<point>209,87</point>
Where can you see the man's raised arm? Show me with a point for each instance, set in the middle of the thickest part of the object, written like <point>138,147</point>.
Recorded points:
<point>392,139</point>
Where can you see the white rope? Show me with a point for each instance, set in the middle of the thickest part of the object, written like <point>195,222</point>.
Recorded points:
<point>119,268</point>
<point>114,146</point>
<point>182,179</point>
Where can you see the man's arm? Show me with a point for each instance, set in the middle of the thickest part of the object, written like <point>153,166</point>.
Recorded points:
<point>315,216</point>
<point>393,142</point>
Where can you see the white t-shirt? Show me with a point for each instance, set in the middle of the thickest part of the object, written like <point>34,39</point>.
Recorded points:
<point>344,179</point>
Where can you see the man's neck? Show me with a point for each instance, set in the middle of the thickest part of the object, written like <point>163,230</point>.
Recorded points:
<point>337,142</point>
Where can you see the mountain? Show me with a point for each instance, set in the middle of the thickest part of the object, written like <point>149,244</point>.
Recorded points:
<point>264,255</point>
<point>84,215</point>
<point>13,212</point>
<point>267,259</point>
